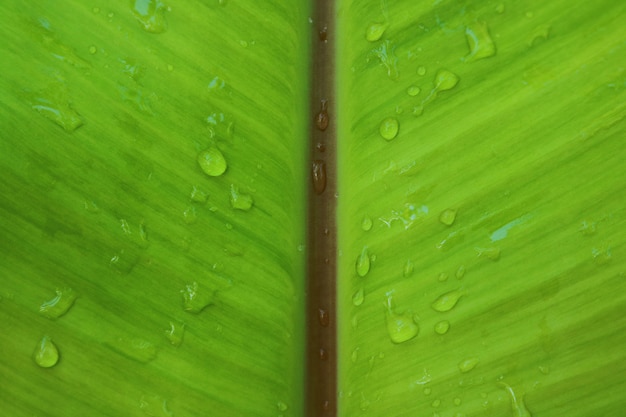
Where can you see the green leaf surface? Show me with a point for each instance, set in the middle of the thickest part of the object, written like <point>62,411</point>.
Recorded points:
<point>153,175</point>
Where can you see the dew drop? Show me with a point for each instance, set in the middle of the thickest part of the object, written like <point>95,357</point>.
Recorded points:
<point>408,268</point>
<point>460,272</point>
<point>240,201</point>
<point>318,175</point>
<point>479,41</point>
<point>601,255</point>
<point>151,14</point>
<point>198,195</point>
<point>447,301</point>
<point>401,327</point>
<point>421,70</point>
<point>427,391</point>
<point>442,277</point>
<point>212,162</point>
<point>358,297</point>
<point>59,305</point>
<point>54,104</point>
<point>323,354</point>
<point>220,125</point>
<point>366,224</point>
<point>445,80</point>
<point>154,406</point>
<point>468,364</point>
<point>92,49</point>
<point>442,327</point>
<point>413,90</point>
<point>375,31</point>
<point>175,333</point>
<point>436,403</point>
<point>386,55</point>
<point>457,401</point>
<point>46,353</point>
<point>363,262</point>
<point>196,298</point>
<point>321,119</point>
<point>355,355</point>
<point>389,128</point>
<point>190,215</point>
<point>492,253</point>
<point>323,34</point>
<point>124,261</point>
<point>282,406</point>
<point>447,217</point>
<point>323,317</point>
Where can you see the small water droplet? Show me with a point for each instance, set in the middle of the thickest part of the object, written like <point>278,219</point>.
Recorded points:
<point>445,80</point>
<point>389,128</point>
<point>323,354</point>
<point>321,147</point>
<point>190,215</point>
<point>421,70</point>
<point>151,14</point>
<point>93,49</point>
<point>323,33</point>
<point>436,403</point>
<point>324,317</point>
<point>427,391</point>
<point>457,401</point>
<point>124,261</point>
<point>212,162</point>
<point>601,255</point>
<point>492,253</point>
<point>408,268</point>
<point>175,333</point>
<point>442,327</point>
<point>447,301</point>
<point>442,277</point>
<point>198,195</point>
<point>358,297</point>
<point>54,104</point>
<point>588,228</point>
<point>318,175</point>
<point>413,90</point>
<point>517,403</point>
<point>46,354</point>
<point>355,355</point>
<point>60,304</point>
<point>134,348</point>
<point>196,298</point>
<point>240,201</point>
<point>479,41</point>
<point>401,327</point>
<point>363,262</point>
<point>460,272</point>
<point>321,119</point>
<point>375,31</point>
<point>447,217</point>
<point>468,364</point>
<point>282,406</point>
<point>220,125</point>
<point>154,406</point>
<point>366,223</point>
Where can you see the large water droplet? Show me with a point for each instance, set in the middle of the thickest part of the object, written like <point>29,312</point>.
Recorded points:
<point>318,176</point>
<point>151,14</point>
<point>447,301</point>
<point>212,162</point>
<point>468,364</point>
<point>363,262</point>
<point>321,119</point>
<point>240,201</point>
<point>445,80</point>
<point>389,128</point>
<point>175,333</point>
<point>375,31</point>
<point>196,298</point>
<point>59,305</point>
<point>401,327</point>
<point>480,43</point>
<point>154,406</point>
<point>46,353</point>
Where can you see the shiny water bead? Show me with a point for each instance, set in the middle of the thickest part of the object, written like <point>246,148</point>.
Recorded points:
<point>375,31</point>
<point>389,128</point>
<point>46,354</point>
<point>212,162</point>
<point>59,305</point>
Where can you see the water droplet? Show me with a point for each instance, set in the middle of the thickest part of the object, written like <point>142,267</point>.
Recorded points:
<point>363,262</point>
<point>134,348</point>
<point>151,14</point>
<point>282,406</point>
<point>468,364</point>
<point>442,327</point>
<point>46,353</point>
<point>457,401</point>
<point>220,125</point>
<point>413,90</point>
<point>355,355</point>
<point>358,297</point>
<point>366,224</point>
<point>492,253</point>
<point>318,175</point>
<point>436,403</point>
<point>198,195</point>
<point>517,403</point>
<point>54,104</point>
<point>445,80</point>
<point>460,272</point>
<point>539,34</point>
<point>175,333</point>
<point>190,215</point>
<point>60,304</point>
<point>154,406</point>
<point>321,147</point>
<point>93,49</point>
<point>323,354</point>
<point>324,317</point>
<point>479,41</point>
<point>588,228</point>
<point>447,217</point>
<point>389,128</point>
<point>400,326</point>
<point>212,162</point>
<point>323,34</point>
<point>421,70</point>
<point>442,277</point>
<point>447,301</point>
<point>240,201</point>
<point>375,31</point>
<point>196,298</point>
<point>385,53</point>
<point>601,255</point>
<point>408,268</point>
<point>427,391</point>
<point>321,119</point>
<point>124,261</point>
